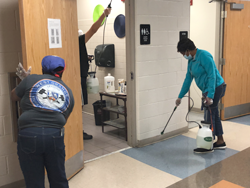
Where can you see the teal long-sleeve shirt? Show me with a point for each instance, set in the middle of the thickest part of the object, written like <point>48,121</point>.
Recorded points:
<point>203,69</point>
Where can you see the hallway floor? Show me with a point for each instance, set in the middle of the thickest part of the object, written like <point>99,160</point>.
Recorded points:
<point>172,163</point>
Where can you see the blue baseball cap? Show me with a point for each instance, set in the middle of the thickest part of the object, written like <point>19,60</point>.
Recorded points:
<point>50,63</point>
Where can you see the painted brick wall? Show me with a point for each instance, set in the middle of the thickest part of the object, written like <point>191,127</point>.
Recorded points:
<point>160,69</point>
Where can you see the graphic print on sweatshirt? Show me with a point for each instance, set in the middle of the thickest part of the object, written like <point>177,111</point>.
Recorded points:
<point>50,95</point>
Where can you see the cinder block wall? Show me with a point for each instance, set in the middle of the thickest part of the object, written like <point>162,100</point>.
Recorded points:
<point>160,70</point>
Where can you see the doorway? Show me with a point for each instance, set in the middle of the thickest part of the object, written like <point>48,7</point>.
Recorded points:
<point>112,139</point>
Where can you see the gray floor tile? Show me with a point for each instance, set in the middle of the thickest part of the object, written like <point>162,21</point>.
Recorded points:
<point>89,156</point>
<point>122,145</point>
<point>112,148</point>
<point>112,136</point>
<point>115,141</point>
<point>100,152</point>
<point>90,148</point>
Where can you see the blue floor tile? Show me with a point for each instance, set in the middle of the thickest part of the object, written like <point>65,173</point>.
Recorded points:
<point>175,156</point>
<point>242,120</point>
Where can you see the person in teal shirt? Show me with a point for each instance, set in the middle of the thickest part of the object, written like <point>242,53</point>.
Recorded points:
<point>202,68</point>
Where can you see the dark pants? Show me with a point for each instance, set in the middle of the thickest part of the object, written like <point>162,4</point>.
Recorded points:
<point>84,90</point>
<point>219,93</point>
<point>40,148</point>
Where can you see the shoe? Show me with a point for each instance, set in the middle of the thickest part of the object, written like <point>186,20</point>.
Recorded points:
<point>87,136</point>
<point>202,150</point>
<point>220,146</point>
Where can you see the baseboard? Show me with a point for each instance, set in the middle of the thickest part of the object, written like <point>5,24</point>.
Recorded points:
<point>149,141</point>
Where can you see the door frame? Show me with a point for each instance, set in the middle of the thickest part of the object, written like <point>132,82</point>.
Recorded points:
<point>130,71</point>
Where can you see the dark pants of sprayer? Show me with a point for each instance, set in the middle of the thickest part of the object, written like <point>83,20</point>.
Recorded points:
<point>40,148</point>
<point>216,122</point>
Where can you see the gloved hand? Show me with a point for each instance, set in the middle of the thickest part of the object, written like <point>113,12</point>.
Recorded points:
<point>208,101</point>
<point>107,11</point>
<point>178,102</point>
<point>21,72</point>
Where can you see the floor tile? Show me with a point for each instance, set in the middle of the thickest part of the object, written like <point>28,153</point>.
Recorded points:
<point>90,148</point>
<point>121,171</point>
<point>109,139</point>
<point>235,135</point>
<point>175,156</point>
<point>242,120</point>
<point>122,145</point>
<point>89,156</point>
<point>234,169</point>
<point>225,184</point>
<point>115,141</point>
<point>100,152</point>
<point>112,148</point>
<point>101,144</point>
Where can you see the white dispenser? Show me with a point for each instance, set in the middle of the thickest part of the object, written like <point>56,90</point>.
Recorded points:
<point>92,84</point>
<point>109,83</point>
<point>205,137</point>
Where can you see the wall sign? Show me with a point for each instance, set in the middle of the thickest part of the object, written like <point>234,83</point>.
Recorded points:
<point>55,33</point>
<point>183,34</point>
<point>145,34</point>
<point>191,2</point>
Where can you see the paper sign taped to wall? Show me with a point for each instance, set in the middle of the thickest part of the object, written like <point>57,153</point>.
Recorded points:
<point>55,36</point>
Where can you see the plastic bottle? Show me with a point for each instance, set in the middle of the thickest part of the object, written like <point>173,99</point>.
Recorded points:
<point>109,83</point>
<point>92,85</point>
<point>125,88</point>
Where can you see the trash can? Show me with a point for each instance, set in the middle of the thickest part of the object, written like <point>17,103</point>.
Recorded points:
<point>98,112</point>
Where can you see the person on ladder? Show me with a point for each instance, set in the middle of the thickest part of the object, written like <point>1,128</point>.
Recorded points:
<point>84,64</point>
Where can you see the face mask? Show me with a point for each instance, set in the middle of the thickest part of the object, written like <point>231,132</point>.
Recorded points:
<point>188,57</point>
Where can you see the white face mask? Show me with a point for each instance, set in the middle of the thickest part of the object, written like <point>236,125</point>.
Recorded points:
<point>188,57</point>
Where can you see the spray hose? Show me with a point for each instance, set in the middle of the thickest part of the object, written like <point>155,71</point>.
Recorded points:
<point>109,6</point>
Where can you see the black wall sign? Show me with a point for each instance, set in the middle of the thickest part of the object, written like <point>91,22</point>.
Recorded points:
<point>183,34</point>
<point>145,34</point>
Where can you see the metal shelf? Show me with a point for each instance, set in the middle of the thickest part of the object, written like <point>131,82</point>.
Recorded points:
<point>118,123</point>
<point>114,109</point>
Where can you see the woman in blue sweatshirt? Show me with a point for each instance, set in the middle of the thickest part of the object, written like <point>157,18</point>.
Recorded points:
<point>202,68</point>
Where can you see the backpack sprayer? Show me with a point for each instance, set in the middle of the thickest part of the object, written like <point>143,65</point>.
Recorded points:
<point>204,139</point>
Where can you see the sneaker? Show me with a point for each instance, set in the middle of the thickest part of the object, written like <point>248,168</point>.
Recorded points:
<point>220,146</point>
<point>87,136</point>
<point>202,150</point>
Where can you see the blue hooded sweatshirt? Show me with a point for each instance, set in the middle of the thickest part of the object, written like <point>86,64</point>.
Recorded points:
<point>207,77</point>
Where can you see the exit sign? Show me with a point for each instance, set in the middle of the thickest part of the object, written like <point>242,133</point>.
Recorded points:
<point>191,2</point>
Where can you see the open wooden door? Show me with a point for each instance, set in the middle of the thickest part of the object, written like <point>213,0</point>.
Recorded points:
<point>34,15</point>
<point>237,61</point>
